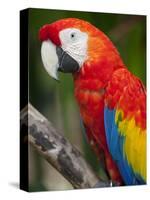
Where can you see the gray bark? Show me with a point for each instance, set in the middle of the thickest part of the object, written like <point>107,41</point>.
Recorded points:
<point>57,150</point>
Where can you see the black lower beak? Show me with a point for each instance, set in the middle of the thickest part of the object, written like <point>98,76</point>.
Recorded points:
<point>66,63</point>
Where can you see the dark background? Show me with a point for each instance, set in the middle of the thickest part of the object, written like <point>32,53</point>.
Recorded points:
<point>56,100</point>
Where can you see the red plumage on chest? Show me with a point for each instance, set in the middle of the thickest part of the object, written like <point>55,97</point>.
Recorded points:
<point>90,83</point>
<point>91,104</point>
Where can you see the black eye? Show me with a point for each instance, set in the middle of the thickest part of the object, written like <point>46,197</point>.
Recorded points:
<point>72,35</point>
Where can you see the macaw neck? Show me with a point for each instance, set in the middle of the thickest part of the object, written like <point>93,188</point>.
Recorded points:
<point>94,76</point>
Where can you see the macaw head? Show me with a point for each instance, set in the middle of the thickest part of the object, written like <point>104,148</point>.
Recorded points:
<point>68,45</point>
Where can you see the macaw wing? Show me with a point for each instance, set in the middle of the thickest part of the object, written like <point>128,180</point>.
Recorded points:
<point>125,126</point>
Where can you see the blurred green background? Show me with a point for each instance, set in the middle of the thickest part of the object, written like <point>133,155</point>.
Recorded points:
<point>56,100</point>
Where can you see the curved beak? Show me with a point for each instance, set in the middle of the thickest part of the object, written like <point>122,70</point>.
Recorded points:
<point>56,59</point>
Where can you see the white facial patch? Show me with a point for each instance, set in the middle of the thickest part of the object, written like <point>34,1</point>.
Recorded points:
<point>50,58</point>
<point>74,43</point>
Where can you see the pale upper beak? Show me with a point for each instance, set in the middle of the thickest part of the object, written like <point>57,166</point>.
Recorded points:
<point>56,59</point>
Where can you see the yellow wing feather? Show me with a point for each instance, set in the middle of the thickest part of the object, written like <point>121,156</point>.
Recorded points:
<point>134,145</point>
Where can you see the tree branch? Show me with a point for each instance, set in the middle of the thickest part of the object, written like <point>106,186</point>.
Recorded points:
<point>57,150</point>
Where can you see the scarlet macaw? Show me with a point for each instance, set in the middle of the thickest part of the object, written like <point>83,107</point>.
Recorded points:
<point>112,101</point>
